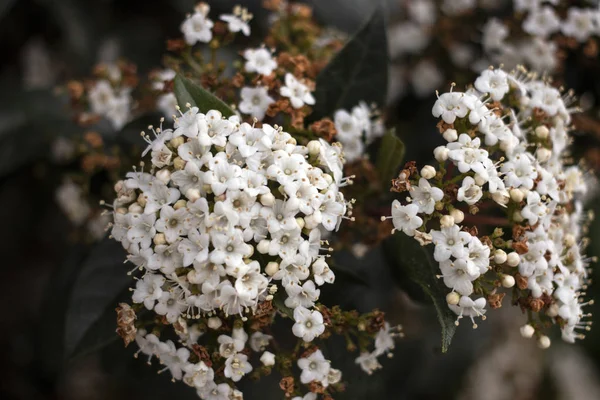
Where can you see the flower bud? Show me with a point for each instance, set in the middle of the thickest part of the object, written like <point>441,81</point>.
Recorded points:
<point>328,178</point>
<point>542,132</point>
<point>121,210</point>
<point>179,204</point>
<point>178,163</point>
<point>268,359</point>
<point>517,216</point>
<point>569,240</point>
<point>552,311</point>
<point>513,259</point>
<point>508,281</point>
<point>263,246</point>
<point>119,186</point>
<point>164,175</point>
<point>446,221</point>
<point>441,153</point>
<point>450,135</point>
<point>501,197</point>
<point>300,222</point>
<point>500,256</point>
<point>214,322</point>
<point>192,194</point>
<point>314,147</point>
<point>458,215</point>
<point>516,195</point>
<point>452,298</point>
<point>542,154</point>
<point>524,100</point>
<point>135,208</point>
<point>312,221</point>
<point>176,142</point>
<point>159,239</point>
<point>272,268</point>
<point>428,172</point>
<point>141,200</point>
<point>527,331</point>
<point>267,199</point>
<point>543,342</point>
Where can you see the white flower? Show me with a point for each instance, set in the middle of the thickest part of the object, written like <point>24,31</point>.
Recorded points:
<point>368,362</point>
<point>425,196</point>
<point>267,359</point>
<point>260,61</point>
<point>296,91</point>
<point>304,295</point>
<point>197,28</point>
<point>314,368</point>
<point>212,391</point>
<point>259,341</point>
<point>170,305</point>
<point>70,198</point>
<point>321,272</point>
<point>308,324</point>
<point>235,23</point>
<point>541,22</point>
<point>405,218</point>
<point>148,290</point>
<point>468,307</point>
<point>425,78</point>
<point>535,208</point>
<point>347,126</point>
<point>449,242</point>
<point>167,104</point>
<point>519,171</point>
<point>580,23</point>
<point>494,33</point>
<point>494,82</point>
<point>198,375</point>
<point>172,223</point>
<point>141,229</point>
<point>469,192</point>
<point>237,366</point>
<point>459,275</point>
<point>229,249</point>
<point>255,101</point>
<point>452,105</point>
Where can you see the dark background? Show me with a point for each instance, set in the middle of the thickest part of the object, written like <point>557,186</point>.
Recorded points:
<point>43,43</point>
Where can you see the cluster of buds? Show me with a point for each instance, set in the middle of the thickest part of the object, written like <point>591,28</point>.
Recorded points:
<point>504,209</point>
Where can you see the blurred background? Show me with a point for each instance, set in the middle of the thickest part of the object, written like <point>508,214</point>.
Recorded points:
<point>46,43</point>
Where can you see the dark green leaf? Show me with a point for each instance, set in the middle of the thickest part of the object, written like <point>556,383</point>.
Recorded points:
<point>358,72</point>
<point>91,317</point>
<point>187,91</point>
<point>417,263</point>
<point>389,158</point>
<point>345,274</point>
<point>279,302</point>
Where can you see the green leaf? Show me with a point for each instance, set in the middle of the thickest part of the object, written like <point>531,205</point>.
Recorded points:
<point>279,302</point>
<point>187,91</point>
<point>359,72</point>
<point>389,158</point>
<point>417,262</point>
<point>91,317</point>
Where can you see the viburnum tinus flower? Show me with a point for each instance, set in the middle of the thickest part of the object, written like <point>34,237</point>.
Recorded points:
<point>505,205</point>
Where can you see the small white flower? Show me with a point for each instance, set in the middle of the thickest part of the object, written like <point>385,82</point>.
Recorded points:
<point>449,242</point>
<point>541,22</point>
<point>452,105</point>
<point>255,101</point>
<point>197,28</point>
<point>425,196</point>
<point>469,192</point>
<point>535,208</point>
<point>468,307</point>
<point>314,368</point>
<point>236,24</point>
<point>296,91</point>
<point>494,82</point>
<point>459,275</point>
<point>260,61</point>
<point>267,359</point>
<point>368,362</point>
<point>148,290</point>
<point>236,367</point>
<point>405,218</point>
<point>308,324</point>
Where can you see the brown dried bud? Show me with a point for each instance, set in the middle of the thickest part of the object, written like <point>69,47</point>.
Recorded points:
<point>75,89</point>
<point>125,323</point>
<point>377,322</point>
<point>176,45</point>
<point>536,304</point>
<point>94,139</point>
<point>521,281</point>
<point>202,354</point>
<point>520,247</point>
<point>324,128</point>
<point>316,387</point>
<point>473,231</point>
<point>495,300</point>
<point>287,385</point>
<point>487,241</point>
<point>443,127</point>
<point>237,80</point>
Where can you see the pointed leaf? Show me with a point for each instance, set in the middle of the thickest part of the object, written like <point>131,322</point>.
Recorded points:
<point>187,91</point>
<point>358,72</point>
<point>389,158</point>
<point>91,318</point>
<point>417,262</point>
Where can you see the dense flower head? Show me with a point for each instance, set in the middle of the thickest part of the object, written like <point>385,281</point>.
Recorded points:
<point>505,165</point>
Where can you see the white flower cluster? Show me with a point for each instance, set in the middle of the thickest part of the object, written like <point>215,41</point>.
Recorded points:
<point>384,344</point>
<point>540,22</point>
<point>356,130</point>
<point>198,27</point>
<point>113,103</point>
<point>511,157</point>
<point>227,211</point>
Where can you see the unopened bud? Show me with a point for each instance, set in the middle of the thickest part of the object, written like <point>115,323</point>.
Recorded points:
<point>441,153</point>
<point>272,268</point>
<point>516,195</point>
<point>214,322</point>
<point>450,135</point>
<point>159,239</point>
<point>517,216</point>
<point>122,210</point>
<point>527,331</point>
<point>543,342</point>
<point>179,204</point>
<point>513,259</point>
<point>569,240</point>
<point>328,178</point>
<point>192,194</point>
<point>452,298</point>
<point>552,311</point>
<point>135,208</point>
<point>458,215</point>
<point>314,147</point>
<point>267,359</point>
<point>446,221</point>
<point>479,180</point>
<point>508,281</point>
<point>300,222</point>
<point>176,142</point>
<point>439,206</point>
<point>428,172</point>
<point>178,163</point>
<point>263,246</point>
<point>542,132</point>
<point>142,200</point>
<point>500,197</point>
<point>500,256</point>
<point>164,175</point>
<point>542,154</point>
<point>267,199</point>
